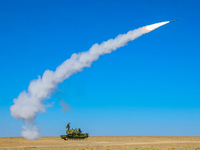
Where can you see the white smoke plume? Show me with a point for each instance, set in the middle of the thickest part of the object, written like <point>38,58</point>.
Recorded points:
<point>30,103</point>
<point>30,132</point>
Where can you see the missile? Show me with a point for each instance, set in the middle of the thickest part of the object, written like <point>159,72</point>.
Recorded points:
<point>173,20</point>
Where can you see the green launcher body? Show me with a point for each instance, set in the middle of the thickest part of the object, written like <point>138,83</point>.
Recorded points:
<point>74,134</point>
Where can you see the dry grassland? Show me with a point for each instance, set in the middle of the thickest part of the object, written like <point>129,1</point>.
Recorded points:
<point>105,143</point>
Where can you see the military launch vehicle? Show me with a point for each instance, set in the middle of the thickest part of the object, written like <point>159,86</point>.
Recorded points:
<point>74,134</point>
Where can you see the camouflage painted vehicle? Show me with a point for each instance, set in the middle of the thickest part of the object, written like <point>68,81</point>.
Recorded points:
<point>74,134</point>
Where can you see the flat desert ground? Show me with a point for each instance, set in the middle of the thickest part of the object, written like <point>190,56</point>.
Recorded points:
<point>103,142</point>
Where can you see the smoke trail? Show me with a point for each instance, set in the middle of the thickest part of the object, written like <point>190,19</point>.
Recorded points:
<point>29,104</point>
<point>65,106</point>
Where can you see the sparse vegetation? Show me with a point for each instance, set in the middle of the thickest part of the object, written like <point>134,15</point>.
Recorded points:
<point>102,143</point>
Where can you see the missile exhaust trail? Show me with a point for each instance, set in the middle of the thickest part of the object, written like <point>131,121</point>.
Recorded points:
<point>31,102</point>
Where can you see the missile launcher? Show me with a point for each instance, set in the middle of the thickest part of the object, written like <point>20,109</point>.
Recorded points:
<point>74,134</point>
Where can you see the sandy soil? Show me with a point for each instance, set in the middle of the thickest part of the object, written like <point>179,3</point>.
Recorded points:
<point>105,143</point>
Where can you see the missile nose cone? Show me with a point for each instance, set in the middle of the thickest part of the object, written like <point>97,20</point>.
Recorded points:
<point>173,20</point>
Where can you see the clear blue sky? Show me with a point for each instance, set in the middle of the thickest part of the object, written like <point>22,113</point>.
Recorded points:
<point>149,87</point>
